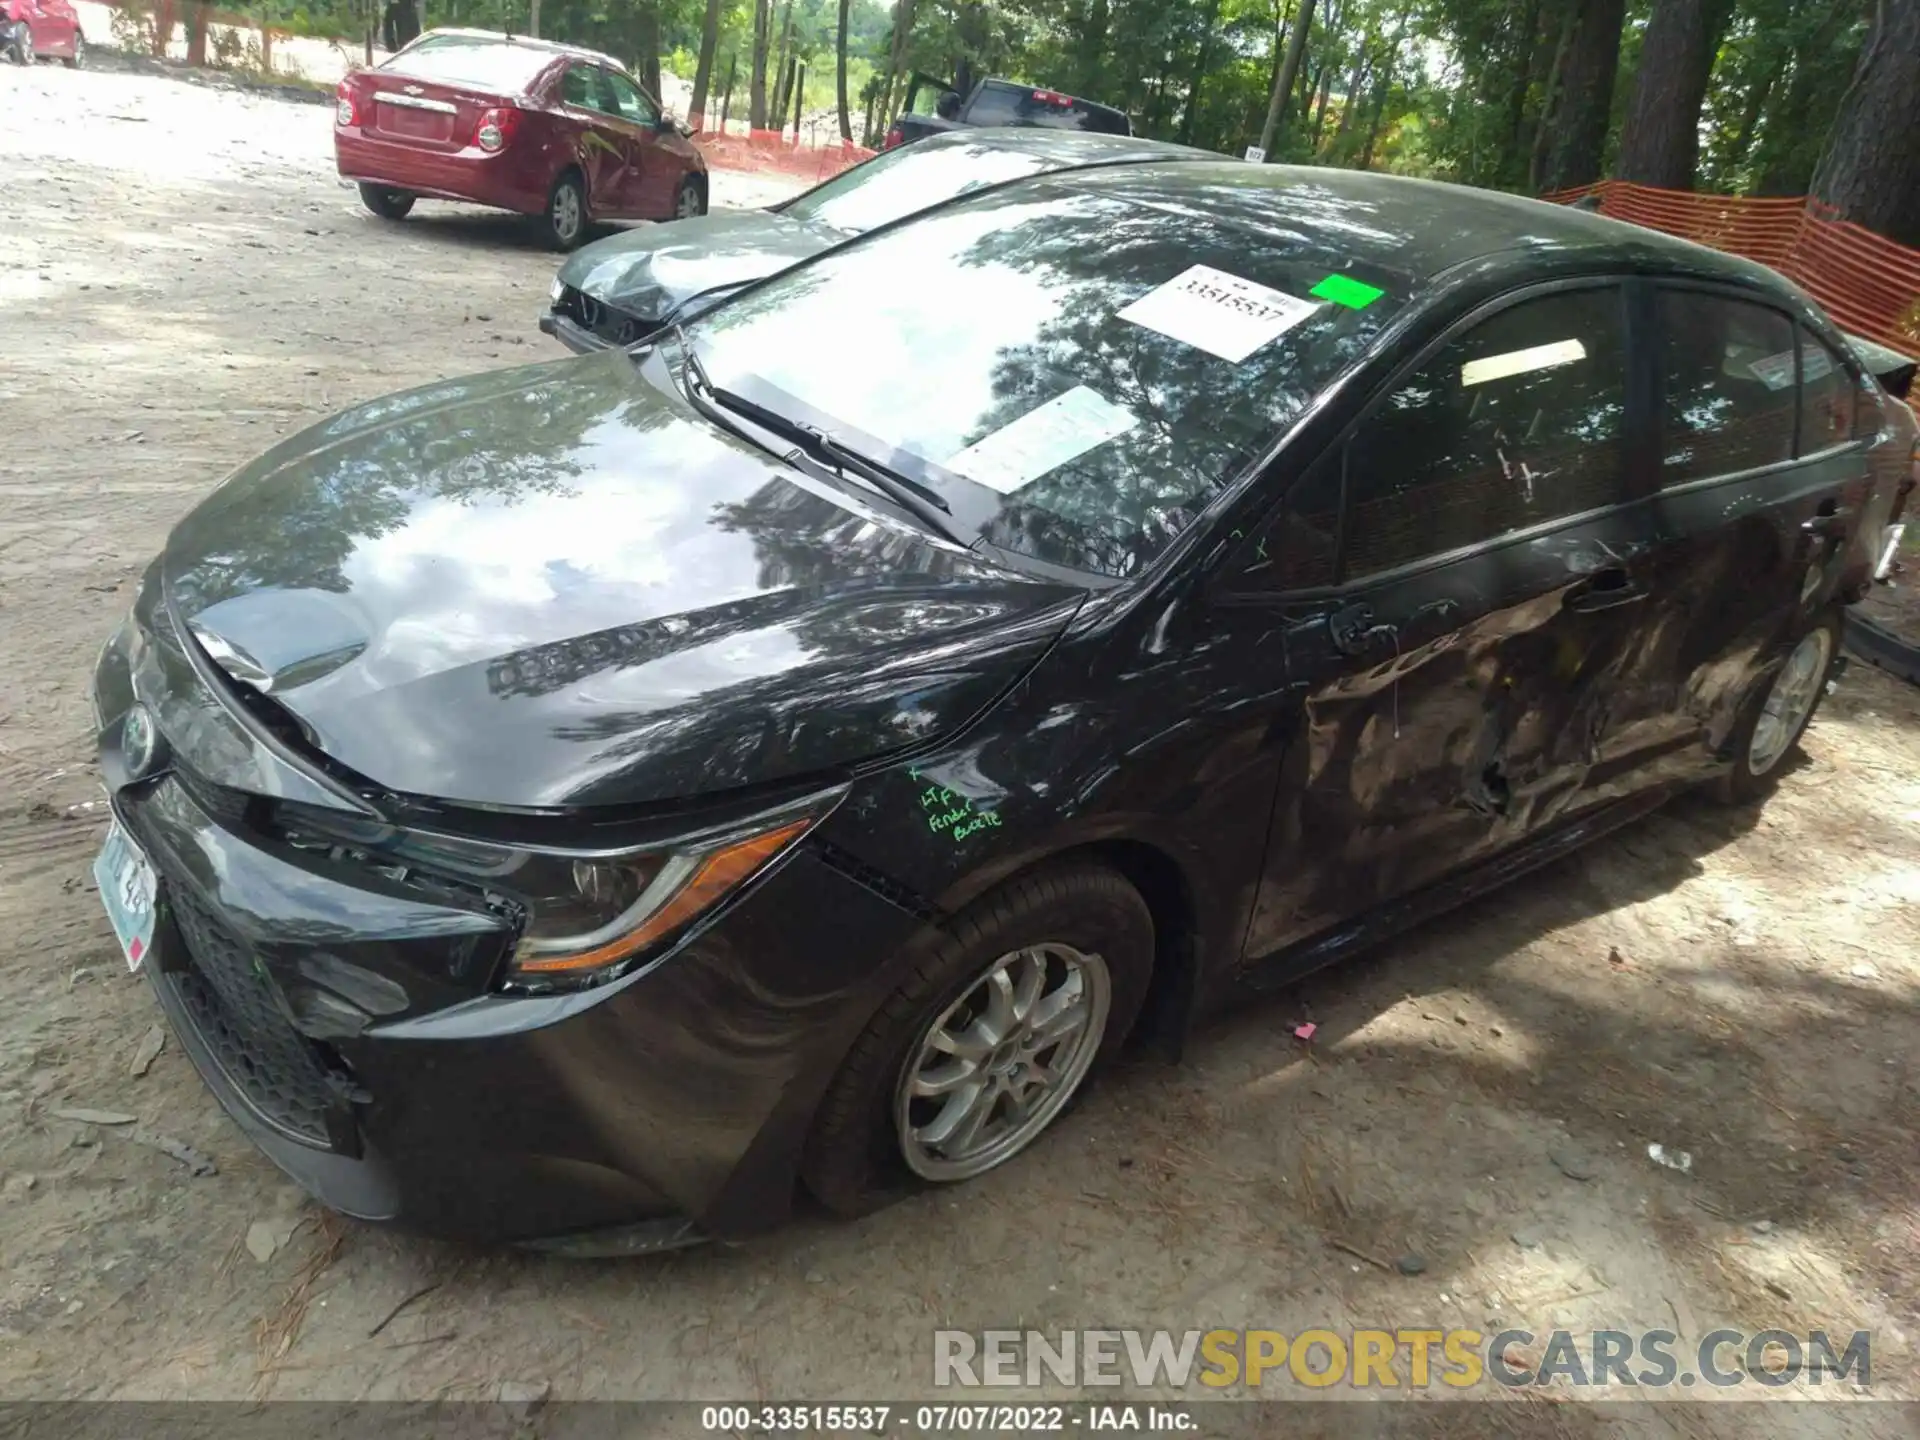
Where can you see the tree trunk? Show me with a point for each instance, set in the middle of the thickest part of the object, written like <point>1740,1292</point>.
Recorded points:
<point>1289,72</point>
<point>799,96</point>
<point>757,84</point>
<point>1320,104</point>
<point>783,75</point>
<point>646,35</point>
<point>1660,139</point>
<point>1091,47</point>
<point>1579,139</point>
<point>1201,57</point>
<point>1350,97</point>
<point>1518,145</point>
<point>1550,101</point>
<point>1870,171</point>
<point>196,33</point>
<point>1386,88</point>
<point>1756,106</point>
<point>703,68</point>
<point>896,59</point>
<point>533,18</point>
<point>726,95</point>
<point>840,74</point>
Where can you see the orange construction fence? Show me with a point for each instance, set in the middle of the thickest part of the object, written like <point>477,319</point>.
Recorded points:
<point>1868,283</point>
<point>812,157</point>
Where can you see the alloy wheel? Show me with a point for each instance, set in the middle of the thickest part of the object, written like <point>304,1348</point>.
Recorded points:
<point>1000,1063</point>
<point>566,212</point>
<point>1790,700</point>
<point>688,204</point>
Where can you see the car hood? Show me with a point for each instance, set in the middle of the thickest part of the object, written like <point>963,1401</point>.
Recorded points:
<point>648,271</point>
<point>560,585</point>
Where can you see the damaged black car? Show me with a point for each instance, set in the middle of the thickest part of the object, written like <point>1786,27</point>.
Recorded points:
<point>599,803</point>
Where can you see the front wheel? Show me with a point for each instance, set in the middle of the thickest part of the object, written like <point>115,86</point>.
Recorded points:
<point>387,203</point>
<point>566,217</point>
<point>690,199</point>
<point>1779,713</point>
<point>989,1038</point>
<point>75,60</point>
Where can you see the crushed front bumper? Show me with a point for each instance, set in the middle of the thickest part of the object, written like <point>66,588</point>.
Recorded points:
<point>352,1023</point>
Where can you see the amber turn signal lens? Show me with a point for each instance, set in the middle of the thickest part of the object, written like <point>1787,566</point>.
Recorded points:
<point>719,873</point>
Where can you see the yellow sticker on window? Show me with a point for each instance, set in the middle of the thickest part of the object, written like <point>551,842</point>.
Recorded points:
<point>1520,362</point>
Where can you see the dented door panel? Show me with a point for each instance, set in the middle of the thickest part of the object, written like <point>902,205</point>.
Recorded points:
<point>1472,718</point>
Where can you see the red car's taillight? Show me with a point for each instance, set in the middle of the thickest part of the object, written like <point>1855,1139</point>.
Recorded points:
<point>495,130</point>
<point>345,113</point>
<point>895,137</point>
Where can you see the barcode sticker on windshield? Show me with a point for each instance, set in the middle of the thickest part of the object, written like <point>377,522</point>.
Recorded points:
<point>1043,439</point>
<point>1219,313</point>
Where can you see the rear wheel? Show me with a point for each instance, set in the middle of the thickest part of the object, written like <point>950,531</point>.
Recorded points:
<point>73,61</point>
<point>1778,715</point>
<point>22,48</point>
<point>566,218</point>
<point>690,199</point>
<point>997,1023</point>
<point>386,202</point>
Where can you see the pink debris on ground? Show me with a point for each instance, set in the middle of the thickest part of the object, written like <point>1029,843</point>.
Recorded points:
<point>1304,1032</point>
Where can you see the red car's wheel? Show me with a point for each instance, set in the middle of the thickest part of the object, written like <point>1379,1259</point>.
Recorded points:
<point>386,202</point>
<point>566,217</point>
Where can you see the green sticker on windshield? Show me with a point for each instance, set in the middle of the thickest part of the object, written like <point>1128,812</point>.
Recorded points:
<point>1345,290</point>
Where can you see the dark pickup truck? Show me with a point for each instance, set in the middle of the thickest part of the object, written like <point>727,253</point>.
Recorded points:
<point>996,102</point>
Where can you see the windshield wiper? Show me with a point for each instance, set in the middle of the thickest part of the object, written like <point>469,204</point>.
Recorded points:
<point>921,501</point>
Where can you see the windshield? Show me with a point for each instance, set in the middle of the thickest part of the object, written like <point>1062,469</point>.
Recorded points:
<point>484,64</point>
<point>912,178</point>
<point>1055,344</point>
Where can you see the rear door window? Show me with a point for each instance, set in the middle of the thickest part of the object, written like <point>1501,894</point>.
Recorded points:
<point>1827,398</point>
<point>1728,369</point>
<point>1518,421</point>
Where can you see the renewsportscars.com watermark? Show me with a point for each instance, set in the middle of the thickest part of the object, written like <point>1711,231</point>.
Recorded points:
<point>1393,1359</point>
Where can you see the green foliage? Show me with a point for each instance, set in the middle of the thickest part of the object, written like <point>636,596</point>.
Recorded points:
<point>1462,90</point>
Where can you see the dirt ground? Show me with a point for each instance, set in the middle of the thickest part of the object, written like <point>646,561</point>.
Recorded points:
<point>186,283</point>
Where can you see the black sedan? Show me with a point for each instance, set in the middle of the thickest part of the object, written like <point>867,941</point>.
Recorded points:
<point>594,803</point>
<point>622,288</point>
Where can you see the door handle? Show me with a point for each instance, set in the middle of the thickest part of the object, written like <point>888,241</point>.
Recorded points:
<point>1354,630</point>
<point>1605,589</point>
<point>1830,523</point>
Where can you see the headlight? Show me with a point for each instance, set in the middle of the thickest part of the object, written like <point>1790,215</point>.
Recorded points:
<point>585,912</point>
<point>557,291</point>
<point>589,914</point>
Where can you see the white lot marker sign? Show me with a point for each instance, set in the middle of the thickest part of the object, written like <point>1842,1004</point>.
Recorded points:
<point>1219,313</point>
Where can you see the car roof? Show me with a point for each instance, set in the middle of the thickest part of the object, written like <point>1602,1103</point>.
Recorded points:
<point>1419,228</point>
<point>1069,147</point>
<point>525,42</point>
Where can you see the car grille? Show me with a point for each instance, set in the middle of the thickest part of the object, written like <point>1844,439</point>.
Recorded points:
<point>618,327</point>
<point>234,1007</point>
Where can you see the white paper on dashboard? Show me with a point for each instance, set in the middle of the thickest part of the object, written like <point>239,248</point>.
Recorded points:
<point>1219,313</point>
<point>1774,371</point>
<point>1043,439</point>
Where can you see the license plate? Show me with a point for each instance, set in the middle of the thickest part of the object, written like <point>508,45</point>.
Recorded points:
<point>128,891</point>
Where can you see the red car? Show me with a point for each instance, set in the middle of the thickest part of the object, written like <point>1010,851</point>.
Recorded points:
<point>549,130</point>
<point>41,28</point>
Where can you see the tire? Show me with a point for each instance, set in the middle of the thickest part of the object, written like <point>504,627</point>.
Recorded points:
<point>386,202</point>
<point>857,1157</point>
<point>565,221</point>
<point>690,199</point>
<point>1791,694</point>
<point>22,48</point>
<point>79,56</point>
